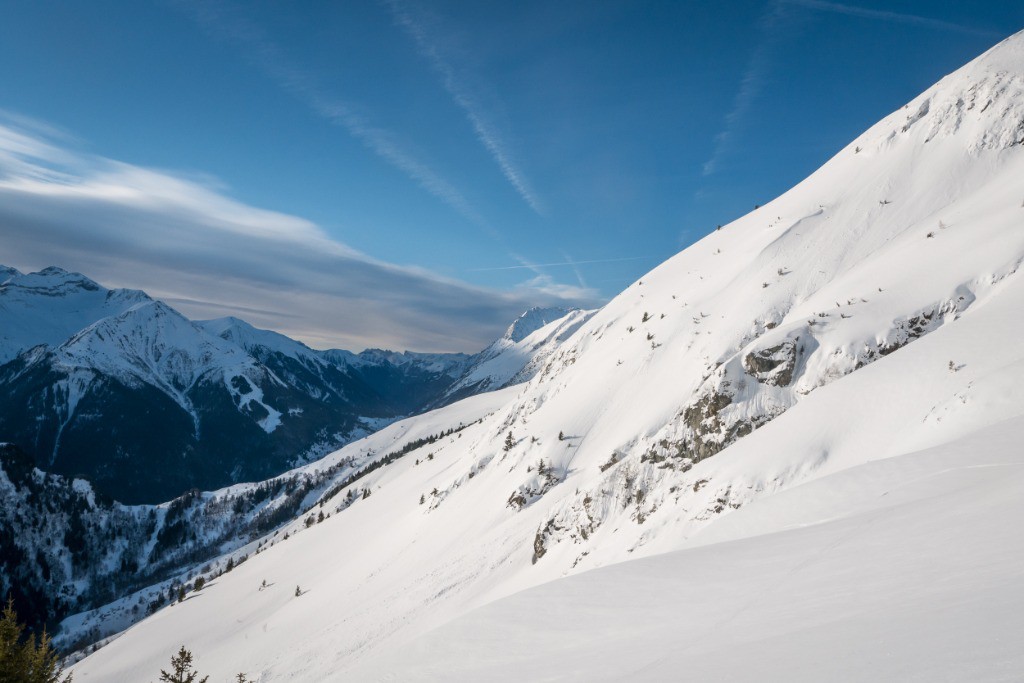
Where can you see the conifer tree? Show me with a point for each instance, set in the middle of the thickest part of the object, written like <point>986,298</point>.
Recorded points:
<point>22,660</point>
<point>181,669</point>
<point>509,442</point>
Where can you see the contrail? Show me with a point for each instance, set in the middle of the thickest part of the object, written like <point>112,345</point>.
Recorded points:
<point>773,23</point>
<point>265,55</point>
<point>751,86</point>
<point>463,96</point>
<point>898,17</point>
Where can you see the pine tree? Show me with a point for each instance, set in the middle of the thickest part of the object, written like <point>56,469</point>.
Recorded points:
<point>11,653</point>
<point>298,591</point>
<point>561,436</point>
<point>181,665</point>
<point>21,659</point>
<point>509,442</point>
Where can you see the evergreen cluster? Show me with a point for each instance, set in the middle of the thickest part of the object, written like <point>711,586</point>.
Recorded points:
<point>387,460</point>
<point>23,659</point>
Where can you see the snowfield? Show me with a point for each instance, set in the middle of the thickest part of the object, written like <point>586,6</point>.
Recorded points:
<point>905,569</point>
<point>792,451</point>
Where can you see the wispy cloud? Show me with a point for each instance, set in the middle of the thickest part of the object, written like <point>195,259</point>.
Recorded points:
<point>567,262</point>
<point>184,240</point>
<point>559,290</point>
<point>416,24</point>
<point>224,22</point>
<point>895,17</point>
<point>751,85</point>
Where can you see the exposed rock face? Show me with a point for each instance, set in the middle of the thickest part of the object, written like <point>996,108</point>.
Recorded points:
<point>773,365</point>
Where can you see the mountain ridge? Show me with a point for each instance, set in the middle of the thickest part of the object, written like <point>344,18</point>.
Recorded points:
<point>234,402</point>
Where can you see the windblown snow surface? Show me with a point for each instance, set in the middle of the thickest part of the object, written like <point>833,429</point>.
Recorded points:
<point>793,451</point>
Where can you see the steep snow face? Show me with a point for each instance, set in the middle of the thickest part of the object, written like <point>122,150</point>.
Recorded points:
<point>517,355</point>
<point>980,104</point>
<point>531,321</point>
<point>870,312</point>
<point>49,306</point>
<point>153,344</point>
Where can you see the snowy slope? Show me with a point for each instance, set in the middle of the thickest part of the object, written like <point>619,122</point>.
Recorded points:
<point>876,573</point>
<point>139,552</point>
<point>869,313</point>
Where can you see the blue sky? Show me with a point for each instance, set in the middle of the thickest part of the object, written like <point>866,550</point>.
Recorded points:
<point>411,175</point>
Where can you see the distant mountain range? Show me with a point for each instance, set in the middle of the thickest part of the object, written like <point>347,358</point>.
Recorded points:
<point>118,388</point>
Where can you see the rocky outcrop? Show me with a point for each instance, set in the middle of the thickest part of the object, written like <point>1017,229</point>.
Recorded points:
<point>773,365</point>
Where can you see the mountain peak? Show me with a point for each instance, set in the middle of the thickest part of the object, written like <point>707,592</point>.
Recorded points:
<point>532,320</point>
<point>153,343</point>
<point>53,281</point>
<point>980,105</point>
<point>255,340</point>
<point>49,306</point>
<point>6,273</point>
<point>1006,55</point>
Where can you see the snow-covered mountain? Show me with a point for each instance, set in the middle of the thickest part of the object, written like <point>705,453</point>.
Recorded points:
<point>50,306</point>
<point>124,390</point>
<point>147,404</point>
<point>815,411</point>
